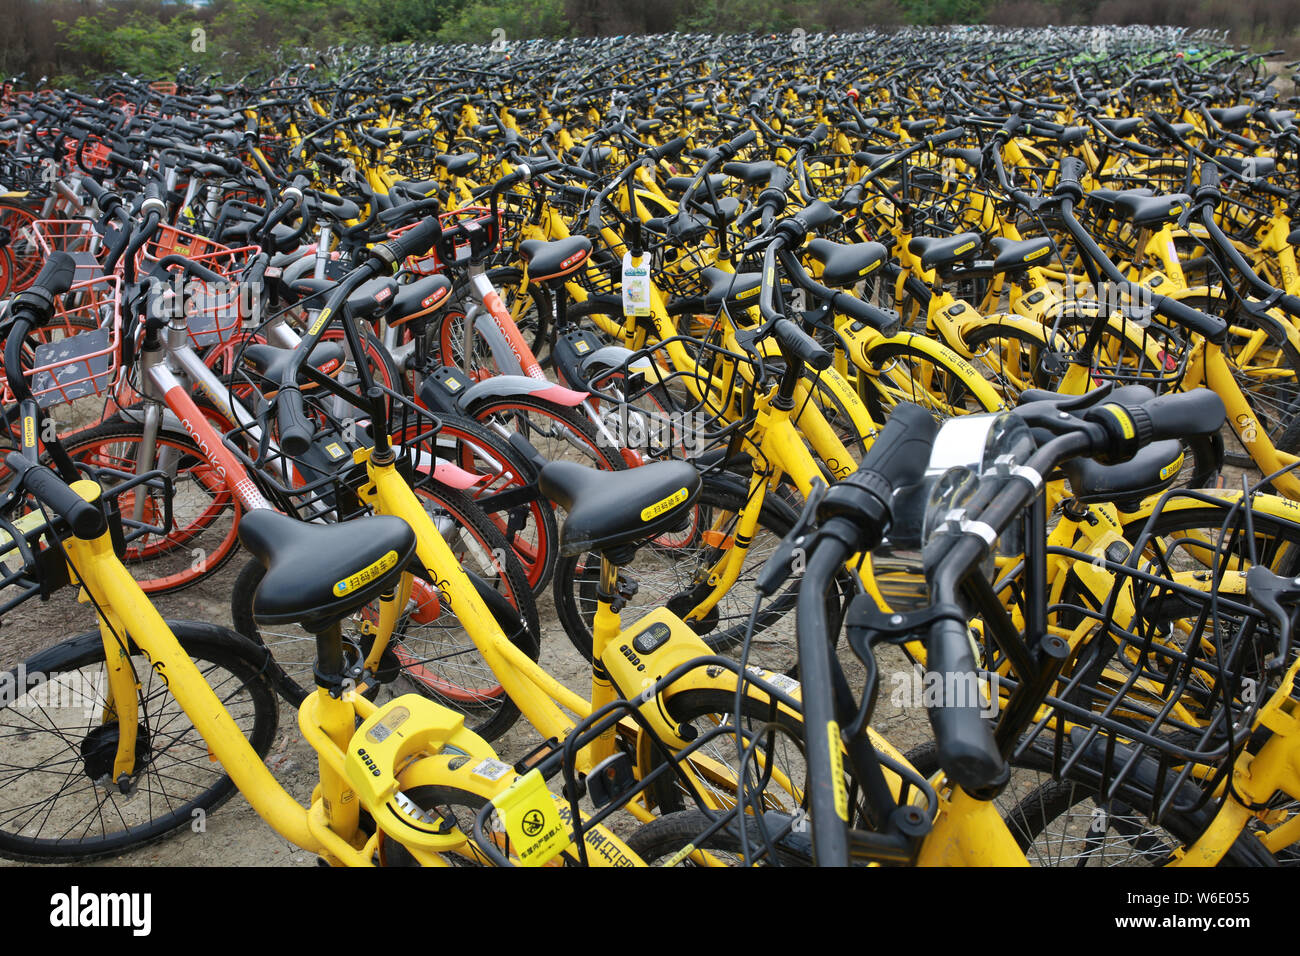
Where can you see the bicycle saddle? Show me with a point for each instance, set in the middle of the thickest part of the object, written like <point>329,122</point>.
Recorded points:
<point>615,512</point>
<point>1123,128</point>
<point>369,299</point>
<point>559,257</point>
<point>458,163</point>
<point>319,573</point>
<point>1150,471</point>
<point>270,362</point>
<point>1232,117</point>
<point>419,298</point>
<point>938,253</point>
<point>1013,255</point>
<point>844,265</point>
<point>1151,210</point>
<point>1109,196</point>
<point>729,286</point>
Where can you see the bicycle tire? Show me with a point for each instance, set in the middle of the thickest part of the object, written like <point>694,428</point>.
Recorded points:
<point>666,837</point>
<point>710,709</point>
<point>19,747</point>
<point>1028,815</point>
<point>214,531</point>
<point>530,528</point>
<point>556,431</point>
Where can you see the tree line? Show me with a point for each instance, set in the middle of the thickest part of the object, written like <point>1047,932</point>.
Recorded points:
<point>65,41</point>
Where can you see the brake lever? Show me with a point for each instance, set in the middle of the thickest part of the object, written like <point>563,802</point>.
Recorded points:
<point>1268,591</point>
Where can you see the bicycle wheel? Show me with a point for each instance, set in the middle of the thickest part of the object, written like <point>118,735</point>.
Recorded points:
<point>1012,359</point>
<point>1063,822</point>
<point>529,526</point>
<point>56,748</point>
<point>451,343</point>
<point>430,653</point>
<point>457,808</point>
<point>556,431</point>
<point>27,256</point>
<point>778,771</point>
<point>205,514</point>
<point>902,372</point>
<point>663,840</point>
<point>665,571</point>
<point>1186,539</point>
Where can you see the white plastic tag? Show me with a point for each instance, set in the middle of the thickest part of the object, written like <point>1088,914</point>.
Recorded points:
<point>636,286</point>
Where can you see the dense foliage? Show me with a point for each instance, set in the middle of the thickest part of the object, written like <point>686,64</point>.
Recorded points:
<point>63,40</point>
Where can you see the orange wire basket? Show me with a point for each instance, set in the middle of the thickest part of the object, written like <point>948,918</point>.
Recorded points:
<point>79,352</point>
<point>214,310</point>
<point>78,237</point>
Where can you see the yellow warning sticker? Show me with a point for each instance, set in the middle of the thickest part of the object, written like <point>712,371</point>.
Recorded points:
<point>1038,253</point>
<point>659,507</point>
<point>366,575</point>
<point>29,432</point>
<point>335,450</point>
<point>966,248</point>
<point>1172,468</point>
<point>537,832</point>
<point>837,771</point>
<point>320,322</point>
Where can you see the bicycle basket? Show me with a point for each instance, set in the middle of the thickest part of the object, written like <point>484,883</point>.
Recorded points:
<point>78,353</point>
<point>1166,674</point>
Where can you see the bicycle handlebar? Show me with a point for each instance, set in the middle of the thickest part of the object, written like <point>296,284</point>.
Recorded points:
<point>85,519</point>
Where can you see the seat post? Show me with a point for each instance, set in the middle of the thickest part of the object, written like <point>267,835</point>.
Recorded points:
<point>330,669</point>
<point>607,623</point>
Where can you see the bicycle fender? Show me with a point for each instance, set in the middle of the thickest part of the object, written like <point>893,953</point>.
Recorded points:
<point>504,386</point>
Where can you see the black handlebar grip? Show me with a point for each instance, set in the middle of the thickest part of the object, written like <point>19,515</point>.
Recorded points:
<point>1130,428</point>
<point>413,242</point>
<point>946,137</point>
<point>295,429</point>
<point>817,214</point>
<point>1211,326</point>
<point>798,343</point>
<point>670,148</point>
<point>819,133</point>
<point>967,751</point>
<point>1178,414</point>
<point>1209,176</point>
<point>884,321</point>
<point>85,519</point>
<point>901,452</point>
<point>93,189</point>
<point>1013,125</point>
<point>54,279</point>
<point>741,141</point>
<point>1072,170</point>
<point>1163,125</point>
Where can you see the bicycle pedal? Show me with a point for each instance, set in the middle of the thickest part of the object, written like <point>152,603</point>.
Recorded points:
<point>535,756</point>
